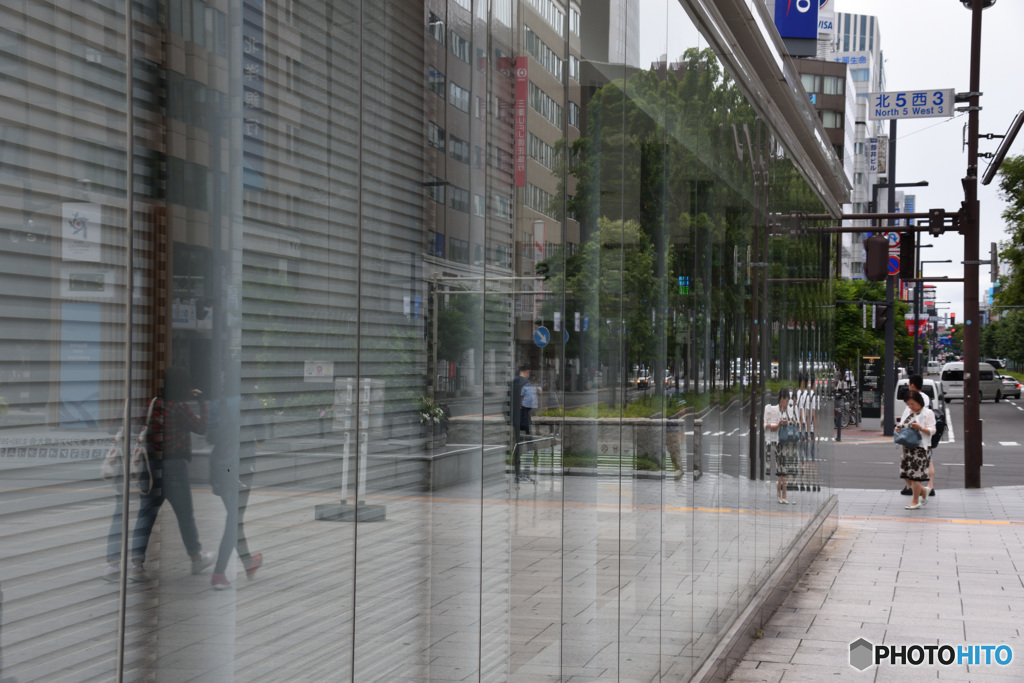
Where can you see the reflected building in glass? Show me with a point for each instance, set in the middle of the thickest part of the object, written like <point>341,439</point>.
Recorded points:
<point>319,239</point>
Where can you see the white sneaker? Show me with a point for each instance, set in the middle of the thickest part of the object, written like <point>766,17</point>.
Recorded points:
<point>204,561</point>
<point>112,573</point>
<point>137,573</point>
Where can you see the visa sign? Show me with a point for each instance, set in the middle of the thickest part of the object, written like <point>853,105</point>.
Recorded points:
<point>797,18</point>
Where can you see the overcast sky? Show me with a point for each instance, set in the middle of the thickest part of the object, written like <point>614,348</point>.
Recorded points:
<point>925,44</point>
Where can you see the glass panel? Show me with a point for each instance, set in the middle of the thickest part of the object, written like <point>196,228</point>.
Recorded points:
<point>341,257</point>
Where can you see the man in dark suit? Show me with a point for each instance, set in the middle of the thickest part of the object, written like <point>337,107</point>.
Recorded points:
<point>516,409</point>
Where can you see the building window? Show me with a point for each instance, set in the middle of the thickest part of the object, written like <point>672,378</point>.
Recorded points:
<point>574,68</point>
<point>436,27</point>
<point>858,178</point>
<point>459,97</point>
<point>551,14</point>
<point>499,255</point>
<point>543,54</point>
<point>479,207</point>
<point>435,135</point>
<point>436,81</point>
<point>458,250</point>
<point>502,207</point>
<point>435,244</point>
<point>838,149</point>
<point>460,199</point>
<point>574,21</point>
<point>538,200</point>
<point>861,75</point>
<point>435,190</point>
<point>834,85</point>
<point>459,149</point>
<point>858,148</point>
<point>545,106</point>
<point>478,254</point>
<point>460,47</point>
<point>574,115</point>
<point>540,150</point>
<point>832,119</point>
<point>464,4</point>
<point>478,157</point>
<point>811,82</point>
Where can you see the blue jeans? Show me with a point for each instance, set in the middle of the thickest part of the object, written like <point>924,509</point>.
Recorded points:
<point>170,482</point>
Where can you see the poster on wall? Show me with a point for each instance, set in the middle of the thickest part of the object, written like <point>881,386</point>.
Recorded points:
<point>81,232</point>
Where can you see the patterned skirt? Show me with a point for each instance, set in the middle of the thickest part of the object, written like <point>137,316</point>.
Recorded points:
<point>784,454</point>
<point>914,464</point>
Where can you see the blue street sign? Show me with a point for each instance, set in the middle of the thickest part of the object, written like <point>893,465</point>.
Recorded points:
<point>586,321</point>
<point>894,265</point>
<point>541,336</point>
<point>566,337</point>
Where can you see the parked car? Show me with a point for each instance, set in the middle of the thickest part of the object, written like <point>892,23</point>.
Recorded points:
<point>1011,387</point>
<point>643,380</point>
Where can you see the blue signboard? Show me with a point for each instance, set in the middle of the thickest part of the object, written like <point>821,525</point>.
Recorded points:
<point>541,336</point>
<point>797,18</point>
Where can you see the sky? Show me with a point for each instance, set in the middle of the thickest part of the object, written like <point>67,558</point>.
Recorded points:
<point>926,44</point>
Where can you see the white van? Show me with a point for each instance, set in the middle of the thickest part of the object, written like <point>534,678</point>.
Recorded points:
<point>934,367</point>
<point>989,385</point>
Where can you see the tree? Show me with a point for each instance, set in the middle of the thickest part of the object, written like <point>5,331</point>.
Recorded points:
<point>1011,190</point>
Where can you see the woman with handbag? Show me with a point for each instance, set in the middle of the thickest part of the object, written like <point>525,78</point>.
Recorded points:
<point>913,434</point>
<point>780,436</point>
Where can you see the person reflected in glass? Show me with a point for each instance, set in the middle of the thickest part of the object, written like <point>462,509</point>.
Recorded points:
<point>915,459</point>
<point>516,414</point>
<point>776,417</point>
<point>530,402</point>
<point>171,427</point>
<point>232,468</point>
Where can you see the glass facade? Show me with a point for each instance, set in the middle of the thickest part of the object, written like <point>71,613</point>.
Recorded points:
<point>310,282</point>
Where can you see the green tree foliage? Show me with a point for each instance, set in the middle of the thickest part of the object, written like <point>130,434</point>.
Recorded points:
<point>1011,190</point>
<point>852,339</point>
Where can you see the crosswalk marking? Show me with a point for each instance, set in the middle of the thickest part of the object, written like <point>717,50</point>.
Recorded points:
<point>1008,443</point>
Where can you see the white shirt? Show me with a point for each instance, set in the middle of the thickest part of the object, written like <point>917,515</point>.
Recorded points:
<point>926,418</point>
<point>775,414</point>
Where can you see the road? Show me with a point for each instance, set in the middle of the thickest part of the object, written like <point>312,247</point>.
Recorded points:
<point>866,459</point>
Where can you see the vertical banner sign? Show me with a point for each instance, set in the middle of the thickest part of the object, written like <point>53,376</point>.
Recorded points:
<point>797,18</point>
<point>873,155</point>
<point>254,130</point>
<point>522,93</point>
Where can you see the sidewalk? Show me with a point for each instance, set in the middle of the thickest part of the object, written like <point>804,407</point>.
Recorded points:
<point>951,573</point>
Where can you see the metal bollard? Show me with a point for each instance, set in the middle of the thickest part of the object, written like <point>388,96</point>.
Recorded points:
<point>698,455</point>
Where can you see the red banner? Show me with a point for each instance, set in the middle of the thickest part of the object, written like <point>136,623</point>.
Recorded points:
<point>522,94</point>
<point>922,327</point>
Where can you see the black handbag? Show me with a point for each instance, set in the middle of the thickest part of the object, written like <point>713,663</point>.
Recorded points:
<point>789,434</point>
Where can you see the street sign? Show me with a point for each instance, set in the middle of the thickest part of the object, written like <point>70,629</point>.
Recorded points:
<point>894,265</point>
<point>541,336</point>
<point>911,104</point>
<point>894,239</point>
<point>566,340</point>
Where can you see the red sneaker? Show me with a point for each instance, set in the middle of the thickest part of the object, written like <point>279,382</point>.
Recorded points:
<point>219,582</point>
<point>254,563</point>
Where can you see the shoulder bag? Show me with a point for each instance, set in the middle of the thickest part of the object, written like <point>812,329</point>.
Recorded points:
<point>139,462</point>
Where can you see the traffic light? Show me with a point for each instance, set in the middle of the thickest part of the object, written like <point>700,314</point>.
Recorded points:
<point>952,319</point>
<point>881,317</point>
<point>908,244</point>
<point>876,257</point>
<point>994,262</point>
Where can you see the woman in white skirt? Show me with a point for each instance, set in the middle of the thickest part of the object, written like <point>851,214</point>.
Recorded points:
<point>776,417</point>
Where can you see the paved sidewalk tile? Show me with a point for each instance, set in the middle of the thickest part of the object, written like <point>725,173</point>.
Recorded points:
<point>951,573</point>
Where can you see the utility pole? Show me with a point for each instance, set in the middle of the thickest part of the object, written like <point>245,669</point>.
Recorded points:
<point>889,367</point>
<point>972,411</point>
